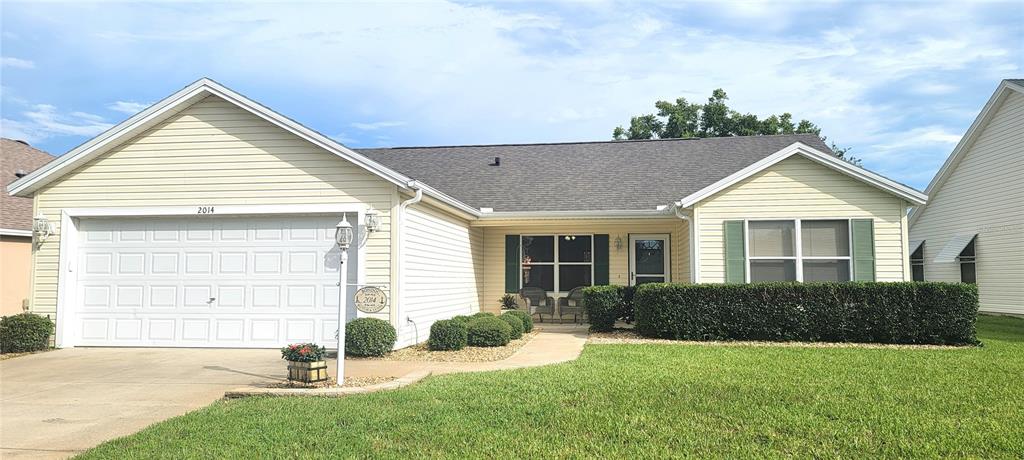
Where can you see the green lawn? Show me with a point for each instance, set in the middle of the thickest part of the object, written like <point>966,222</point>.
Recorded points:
<point>647,401</point>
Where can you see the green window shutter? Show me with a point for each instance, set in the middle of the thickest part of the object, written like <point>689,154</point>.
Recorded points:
<point>735,254</point>
<point>511,263</point>
<point>600,260</point>
<point>863,234</point>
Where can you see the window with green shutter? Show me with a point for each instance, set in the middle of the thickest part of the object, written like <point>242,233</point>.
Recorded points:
<point>511,263</point>
<point>863,243</point>
<point>735,252</point>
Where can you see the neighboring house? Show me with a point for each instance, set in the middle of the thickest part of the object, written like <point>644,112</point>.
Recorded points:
<point>17,159</point>
<point>972,229</point>
<point>207,220</point>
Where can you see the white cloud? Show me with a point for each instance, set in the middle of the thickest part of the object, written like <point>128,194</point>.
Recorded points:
<point>44,121</point>
<point>17,63</point>
<point>128,107</point>
<point>377,125</point>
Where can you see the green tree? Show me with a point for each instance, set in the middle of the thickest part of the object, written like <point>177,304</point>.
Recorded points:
<point>683,119</point>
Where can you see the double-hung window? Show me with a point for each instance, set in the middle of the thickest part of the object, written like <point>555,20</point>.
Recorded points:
<point>917,263</point>
<point>798,250</point>
<point>557,263</point>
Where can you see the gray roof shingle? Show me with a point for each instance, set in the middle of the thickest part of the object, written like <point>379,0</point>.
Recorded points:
<point>16,212</point>
<point>611,175</point>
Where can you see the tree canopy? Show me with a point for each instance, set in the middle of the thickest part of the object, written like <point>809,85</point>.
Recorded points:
<point>684,119</point>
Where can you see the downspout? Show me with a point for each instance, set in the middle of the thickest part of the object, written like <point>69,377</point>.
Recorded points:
<point>400,285</point>
<point>678,209</point>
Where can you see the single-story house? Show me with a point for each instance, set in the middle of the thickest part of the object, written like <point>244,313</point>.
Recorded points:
<point>972,229</point>
<point>17,159</point>
<point>207,220</point>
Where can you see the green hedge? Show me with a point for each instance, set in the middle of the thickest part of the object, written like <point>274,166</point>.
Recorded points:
<point>24,332</point>
<point>524,317</point>
<point>904,312</point>
<point>369,337</point>
<point>515,323</point>
<point>447,335</point>
<point>603,305</point>
<point>488,331</point>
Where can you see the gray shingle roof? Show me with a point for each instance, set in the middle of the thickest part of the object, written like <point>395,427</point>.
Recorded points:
<point>612,175</point>
<point>16,212</point>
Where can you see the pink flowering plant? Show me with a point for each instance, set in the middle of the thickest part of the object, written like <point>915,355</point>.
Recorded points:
<point>303,352</point>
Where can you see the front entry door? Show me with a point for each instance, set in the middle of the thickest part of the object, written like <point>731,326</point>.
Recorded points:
<point>648,259</point>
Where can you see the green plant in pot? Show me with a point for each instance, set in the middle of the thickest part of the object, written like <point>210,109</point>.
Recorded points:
<point>508,302</point>
<point>305,362</point>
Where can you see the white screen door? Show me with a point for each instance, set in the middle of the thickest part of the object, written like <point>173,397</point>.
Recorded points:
<point>648,259</point>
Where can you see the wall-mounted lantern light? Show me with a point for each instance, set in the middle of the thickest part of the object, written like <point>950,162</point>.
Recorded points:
<point>372,220</point>
<point>41,228</point>
<point>618,243</point>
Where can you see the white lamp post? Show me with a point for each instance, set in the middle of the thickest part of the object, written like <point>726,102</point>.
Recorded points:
<point>343,235</point>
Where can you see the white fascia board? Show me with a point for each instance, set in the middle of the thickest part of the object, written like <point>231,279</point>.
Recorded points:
<point>825,159</point>
<point>544,216</point>
<point>15,232</point>
<point>966,141</point>
<point>185,97</point>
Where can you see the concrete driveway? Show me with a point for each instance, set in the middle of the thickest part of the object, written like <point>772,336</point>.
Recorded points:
<point>59,403</point>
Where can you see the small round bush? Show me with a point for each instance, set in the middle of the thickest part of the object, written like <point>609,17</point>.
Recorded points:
<point>447,334</point>
<point>488,332</point>
<point>24,332</point>
<point>524,317</point>
<point>515,323</point>
<point>482,314</point>
<point>369,337</point>
<point>462,319</point>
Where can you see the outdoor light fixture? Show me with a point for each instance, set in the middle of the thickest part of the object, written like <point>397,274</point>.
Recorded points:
<point>343,235</point>
<point>372,220</point>
<point>41,227</point>
<point>618,243</point>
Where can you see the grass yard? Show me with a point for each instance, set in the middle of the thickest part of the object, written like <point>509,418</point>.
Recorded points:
<point>647,401</point>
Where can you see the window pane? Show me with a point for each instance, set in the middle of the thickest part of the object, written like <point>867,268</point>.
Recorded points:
<point>570,276</point>
<point>650,257</point>
<point>772,270</point>
<point>967,274</point>
<point>825,238</point>
<point>538,249</point>
<point>542,276</point>
<point>826,270</point>
<point>917,272</point>
<point>772,238</point>
<point>572,248</point>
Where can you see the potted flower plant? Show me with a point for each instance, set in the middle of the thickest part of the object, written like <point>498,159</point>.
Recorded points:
<point>508,302</point>
<point>305,362</point>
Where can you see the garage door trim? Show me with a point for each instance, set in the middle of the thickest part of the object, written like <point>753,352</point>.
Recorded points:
<point>67,277</point>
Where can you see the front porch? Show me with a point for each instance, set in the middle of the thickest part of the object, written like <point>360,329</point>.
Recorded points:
<point>555,256</point>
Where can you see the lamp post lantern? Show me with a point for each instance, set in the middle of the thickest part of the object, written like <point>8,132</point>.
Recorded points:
<point>343,236</point>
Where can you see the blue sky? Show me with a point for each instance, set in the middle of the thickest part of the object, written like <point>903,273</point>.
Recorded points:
<point>898,82</point>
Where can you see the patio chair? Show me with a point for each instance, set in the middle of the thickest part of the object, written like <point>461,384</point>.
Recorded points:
<point>538,302</point>
<point>572,304</point>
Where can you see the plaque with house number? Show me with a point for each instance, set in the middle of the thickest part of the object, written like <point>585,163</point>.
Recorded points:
<point>371,299</point>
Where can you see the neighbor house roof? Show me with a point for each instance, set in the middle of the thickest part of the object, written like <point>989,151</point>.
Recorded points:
<point>1000,95</point>
<point>16,159</point>
<point>611,175</point>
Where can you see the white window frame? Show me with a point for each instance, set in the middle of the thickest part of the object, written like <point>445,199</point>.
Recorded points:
<point>798,256</point>
<point>556,263</point>
<point>918,263</point>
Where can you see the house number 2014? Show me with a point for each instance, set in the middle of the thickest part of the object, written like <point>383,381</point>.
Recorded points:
<point>204,210</point>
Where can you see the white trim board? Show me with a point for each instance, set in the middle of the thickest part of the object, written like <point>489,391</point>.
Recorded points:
<point>187,96</point>
<point>15,232</point>
<point>825,159</point>
<point>67,286</point>
<point>987,112</point>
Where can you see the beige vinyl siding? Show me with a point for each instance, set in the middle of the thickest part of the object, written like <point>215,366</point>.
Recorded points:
<point>800,188</point>
<point>442,272</point>
<point>618,260</point>
<point>984,194</point>
<point>212,153</point>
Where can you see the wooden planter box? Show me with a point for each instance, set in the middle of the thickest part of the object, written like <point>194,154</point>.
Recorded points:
<point>313,372</point>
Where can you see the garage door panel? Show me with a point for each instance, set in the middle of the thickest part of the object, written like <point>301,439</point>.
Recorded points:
<point>231,282</point>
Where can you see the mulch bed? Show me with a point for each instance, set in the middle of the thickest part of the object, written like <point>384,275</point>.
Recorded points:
<point>465,355</point>
<point>620,336</point>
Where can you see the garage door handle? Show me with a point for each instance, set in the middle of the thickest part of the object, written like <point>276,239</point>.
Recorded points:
<point>211,300</point>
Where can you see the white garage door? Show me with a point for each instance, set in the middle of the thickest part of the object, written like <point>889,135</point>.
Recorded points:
<point>208,282</point>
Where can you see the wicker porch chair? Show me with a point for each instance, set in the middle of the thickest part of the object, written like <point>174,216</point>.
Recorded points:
<point>538,302</point>
<point>572,304</point>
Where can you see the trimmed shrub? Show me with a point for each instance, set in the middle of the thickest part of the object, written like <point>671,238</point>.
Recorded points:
<point>515,323</point>
<point>369,337</point>
<point>462,319</point>
<point>447,335</point>
<point>24,332</point>
<point>488,332</point>
<point>602,304</point>
<point>627,312</point>
<point>903,312</point>
<point>482,314</point>
<point>524,317</point>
